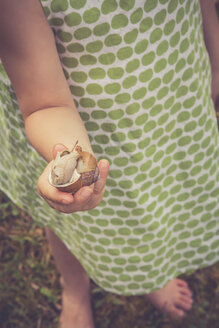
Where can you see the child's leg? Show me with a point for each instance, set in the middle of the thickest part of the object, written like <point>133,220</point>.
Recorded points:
<point>76,307</point>
<point>173,299</point>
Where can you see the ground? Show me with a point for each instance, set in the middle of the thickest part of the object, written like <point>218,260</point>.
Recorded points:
<point>30,290</point>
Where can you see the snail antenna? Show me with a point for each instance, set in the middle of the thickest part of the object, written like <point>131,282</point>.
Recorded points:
<point>75,145</point>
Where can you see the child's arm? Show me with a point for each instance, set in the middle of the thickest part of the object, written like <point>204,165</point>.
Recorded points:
<point>30,58</point>
<point>211,35</point>
<point>28,53</point>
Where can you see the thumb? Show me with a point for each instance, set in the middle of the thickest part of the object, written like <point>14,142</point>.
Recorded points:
<point>57,148</point>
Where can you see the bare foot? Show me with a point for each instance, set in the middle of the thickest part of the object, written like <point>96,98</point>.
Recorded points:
<point>174,299</point>
<point>76,312</point>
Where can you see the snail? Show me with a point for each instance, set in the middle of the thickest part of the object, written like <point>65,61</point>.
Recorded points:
<point>73,169</point>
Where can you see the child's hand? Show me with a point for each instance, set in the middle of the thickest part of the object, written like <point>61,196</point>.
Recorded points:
<point>85,198</point>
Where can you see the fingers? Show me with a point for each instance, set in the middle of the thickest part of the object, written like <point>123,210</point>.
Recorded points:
<point>60,207</point>
<point>59,200</point>
<point>104,170</point>
<point>84,199</point>
<point>80,203</point>
<point>83,194</point>
<point>51,193</point>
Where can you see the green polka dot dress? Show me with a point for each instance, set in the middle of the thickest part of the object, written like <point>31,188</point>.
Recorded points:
<point>140,77</point>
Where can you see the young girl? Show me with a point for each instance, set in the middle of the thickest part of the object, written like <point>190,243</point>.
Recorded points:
<point>138,73</point>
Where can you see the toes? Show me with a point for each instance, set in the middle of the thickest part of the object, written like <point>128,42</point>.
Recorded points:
<point>176,313</point>
<point>183,304</point>
<point>181,283</point>
<point>186,292</point>
<point>183,287</point>
<point>186,299</point>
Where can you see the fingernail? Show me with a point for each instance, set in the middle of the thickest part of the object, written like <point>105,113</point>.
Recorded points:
<point>103,163</point>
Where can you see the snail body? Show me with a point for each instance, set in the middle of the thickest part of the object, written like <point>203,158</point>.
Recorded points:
<point>74,169</point>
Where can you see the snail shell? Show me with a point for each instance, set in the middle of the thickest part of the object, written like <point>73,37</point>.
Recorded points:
<point>74,169</point>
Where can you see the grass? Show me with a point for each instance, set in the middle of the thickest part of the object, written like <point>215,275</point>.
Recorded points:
<point>30,290</point>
